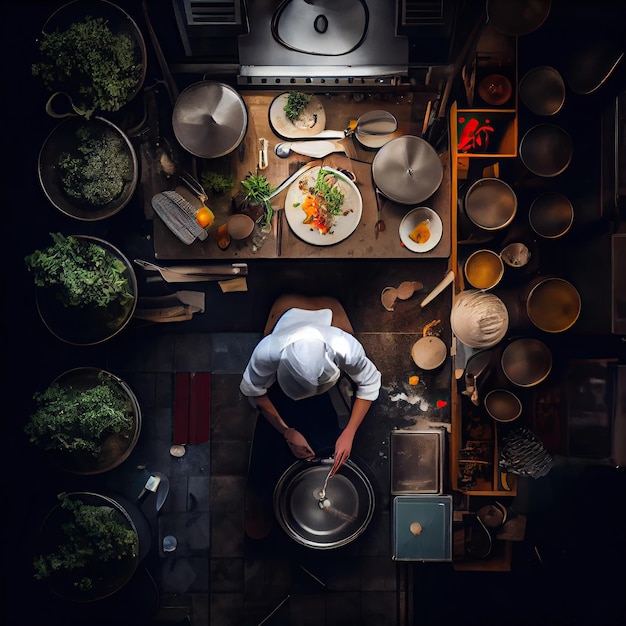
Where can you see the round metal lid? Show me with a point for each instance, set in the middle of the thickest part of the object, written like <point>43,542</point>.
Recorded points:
<point>210,119</point>
<point>407,170</point>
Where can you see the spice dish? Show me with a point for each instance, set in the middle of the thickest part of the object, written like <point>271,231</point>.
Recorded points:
<point>425,226</point>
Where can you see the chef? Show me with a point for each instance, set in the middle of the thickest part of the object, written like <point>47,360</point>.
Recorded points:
<point>302,358</point>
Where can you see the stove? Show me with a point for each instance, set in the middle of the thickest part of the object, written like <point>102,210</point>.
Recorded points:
<point>322,42</point>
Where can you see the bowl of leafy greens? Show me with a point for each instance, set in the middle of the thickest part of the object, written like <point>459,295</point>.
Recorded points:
<point>94,53</point>
<point>86,288</point>
<point>88,169</point>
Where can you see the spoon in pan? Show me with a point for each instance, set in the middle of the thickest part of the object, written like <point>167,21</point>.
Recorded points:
<point>322,492</point>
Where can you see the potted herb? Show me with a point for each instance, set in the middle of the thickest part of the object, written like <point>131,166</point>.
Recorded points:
<point>257,192</point>
<point>88,420</point>
<point>94,53</point>
<point>87,289</point>
<point>90,545</point>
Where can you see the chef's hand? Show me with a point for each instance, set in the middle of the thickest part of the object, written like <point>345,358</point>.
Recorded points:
<point>343,447</point>
<point>298,444</point>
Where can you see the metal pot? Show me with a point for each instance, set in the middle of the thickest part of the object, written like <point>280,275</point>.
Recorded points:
<point>65,139</point>
<point>503,405</point>
<point>517,17</point>
<point>210,119</point>
<point>118,21</point>
<point>526,362</point>
<point>115,447</point>
<point>553,305</point>
<point>551,215</point>
<point>334,521</point>
<point>546,150</point>
<point>407,170</point>
<point>490,204</point>
<point>88,325</point>
<point>542,90</point>
<point>484,269</point>
<point>108,577</point>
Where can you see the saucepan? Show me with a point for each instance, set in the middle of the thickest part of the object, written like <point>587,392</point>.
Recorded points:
<point>322,512</point>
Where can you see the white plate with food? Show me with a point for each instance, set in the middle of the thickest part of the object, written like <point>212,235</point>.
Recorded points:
<point>421,229</point>
<point>323,206</point>
<point>310,122</point>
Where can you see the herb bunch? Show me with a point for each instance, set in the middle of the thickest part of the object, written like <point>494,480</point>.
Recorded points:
<point>85,273</point>
<point>331,194</point>
<point>216,182</point>
<point>97,172</point>
<point>68,419</point>
<point>296,103</point>
<point>258,190</point>
<point>100,69</point>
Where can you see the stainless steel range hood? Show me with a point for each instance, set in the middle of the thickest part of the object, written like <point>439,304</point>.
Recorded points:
<point>322,43</point>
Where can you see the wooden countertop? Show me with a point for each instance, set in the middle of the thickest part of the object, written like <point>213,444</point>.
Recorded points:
<point>363,243</point>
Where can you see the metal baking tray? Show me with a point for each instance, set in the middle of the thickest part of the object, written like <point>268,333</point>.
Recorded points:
<point>417,461</point>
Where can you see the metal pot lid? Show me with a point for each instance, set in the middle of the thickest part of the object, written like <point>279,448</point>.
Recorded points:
<point>407,170</point>
<point>210,119</point>
<point>337,519</point>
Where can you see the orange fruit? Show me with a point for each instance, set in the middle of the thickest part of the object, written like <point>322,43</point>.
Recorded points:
<point>205,217</point>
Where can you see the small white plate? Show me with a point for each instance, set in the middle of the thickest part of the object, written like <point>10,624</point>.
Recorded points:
<point>412,219</point>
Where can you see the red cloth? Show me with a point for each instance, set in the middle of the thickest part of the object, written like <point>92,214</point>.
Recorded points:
<point>192,407</point>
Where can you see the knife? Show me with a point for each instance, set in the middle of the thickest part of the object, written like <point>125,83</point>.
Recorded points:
<point>193,273</point>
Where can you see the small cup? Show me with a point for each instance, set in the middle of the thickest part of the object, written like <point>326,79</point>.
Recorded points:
<point>240,226</point>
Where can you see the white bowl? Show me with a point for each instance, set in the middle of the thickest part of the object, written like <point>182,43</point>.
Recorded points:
<point>415,217</point>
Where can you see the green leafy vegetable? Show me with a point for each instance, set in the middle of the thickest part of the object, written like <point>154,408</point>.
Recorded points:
<point>217,183</point>
<point>68,419</point>
<point>99,69</point>
<point>296,103</point>
<point>99,169</point>
<point>330,193</point>
<point>258,190</point>
<point>92,534</point>
<point>85,273</point>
